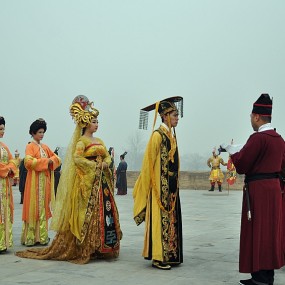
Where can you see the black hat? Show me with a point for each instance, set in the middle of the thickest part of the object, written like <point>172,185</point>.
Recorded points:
<point>36,125</point>
<point>263,105</point>
<point>123,155</point>
<point>162,107</point>
<point>2,121</point>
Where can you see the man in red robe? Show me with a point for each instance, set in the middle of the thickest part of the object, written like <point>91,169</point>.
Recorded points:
<point>261,159</point>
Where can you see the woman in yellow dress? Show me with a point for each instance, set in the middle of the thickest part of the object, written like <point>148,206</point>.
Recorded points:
<point>86,217</point>
<point>7,171</point>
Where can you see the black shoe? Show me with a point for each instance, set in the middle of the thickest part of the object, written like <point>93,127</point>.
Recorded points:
<point>3,250</point>
<point>247,282</point>
<point>160,265</point>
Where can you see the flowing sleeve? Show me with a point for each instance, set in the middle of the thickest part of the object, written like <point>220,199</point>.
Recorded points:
<point>33,159</point>
<point>144,182</point>
<point>6,167</point>
<point>52,156</point>
<point>246,157</point>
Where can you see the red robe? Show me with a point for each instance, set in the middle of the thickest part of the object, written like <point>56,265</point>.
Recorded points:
<point>261,241</point>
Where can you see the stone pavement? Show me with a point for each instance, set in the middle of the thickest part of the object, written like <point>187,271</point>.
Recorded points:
<point>211,223</point>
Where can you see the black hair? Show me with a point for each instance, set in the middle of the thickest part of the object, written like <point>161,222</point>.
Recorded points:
<point>36,125</point>
<point>266,119</point>
<point>2,121</point>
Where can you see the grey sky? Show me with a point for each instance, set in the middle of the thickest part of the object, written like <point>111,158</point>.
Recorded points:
<point>124,55</point>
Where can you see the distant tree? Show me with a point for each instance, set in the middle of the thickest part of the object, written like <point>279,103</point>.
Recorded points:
<point>193,162</point>
<point>136,147</point>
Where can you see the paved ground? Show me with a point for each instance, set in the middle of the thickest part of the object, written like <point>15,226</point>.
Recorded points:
<point>211,223</point>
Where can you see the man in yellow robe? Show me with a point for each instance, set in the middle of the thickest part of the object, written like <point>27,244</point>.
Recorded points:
<point>156,191</point>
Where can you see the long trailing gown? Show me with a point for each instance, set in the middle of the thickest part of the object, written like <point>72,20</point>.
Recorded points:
<point>6,198</point>
<point>157,202</point>
<point>92,229</point>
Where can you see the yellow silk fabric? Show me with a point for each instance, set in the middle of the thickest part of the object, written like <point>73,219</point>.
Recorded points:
<point>143,191</point>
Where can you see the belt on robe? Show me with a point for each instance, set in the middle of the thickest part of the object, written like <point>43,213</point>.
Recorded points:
<point>261,176</point>
<point>254,177</point>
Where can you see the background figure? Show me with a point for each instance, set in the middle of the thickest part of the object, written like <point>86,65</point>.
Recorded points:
<point>261,159</point>
<point>7,170</point>
<point>216,174</point>
<point>156,191</point>
<point>22,179</point>
<point>121,182</point>
<point>112,165</point>
<point>85,217</point>
<point>56,173</point>
<point>17,160</point>
<point>40,162</point>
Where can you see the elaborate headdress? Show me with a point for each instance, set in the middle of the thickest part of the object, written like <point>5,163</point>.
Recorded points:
<point>263,105</point>
<point>162,107</point>
<point>82,111</point>
<point>36,125</point>
<point>2,121</point>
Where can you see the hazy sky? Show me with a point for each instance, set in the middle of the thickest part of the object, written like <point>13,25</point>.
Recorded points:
<point>126,54</point>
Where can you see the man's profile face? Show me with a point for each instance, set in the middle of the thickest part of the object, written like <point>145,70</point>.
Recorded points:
<point>173,119</point>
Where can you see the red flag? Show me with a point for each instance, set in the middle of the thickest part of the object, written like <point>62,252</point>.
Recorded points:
<point>231,172</point>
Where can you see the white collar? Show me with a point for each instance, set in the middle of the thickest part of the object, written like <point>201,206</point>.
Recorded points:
<point>265,127</point>
<point>165,126</point>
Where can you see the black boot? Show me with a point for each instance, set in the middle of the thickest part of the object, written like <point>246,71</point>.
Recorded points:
<point>212,188</point>
<point>220,188</point>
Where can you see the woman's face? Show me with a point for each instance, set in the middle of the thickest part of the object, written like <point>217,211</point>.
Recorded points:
<point>93,126</point>
<point>38,136</point>
<point>2,131</point>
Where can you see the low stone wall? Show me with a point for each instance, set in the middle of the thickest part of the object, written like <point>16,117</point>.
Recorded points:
<point>191,180</point>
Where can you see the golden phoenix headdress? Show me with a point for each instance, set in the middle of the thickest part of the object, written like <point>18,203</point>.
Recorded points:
<point>82,111</point>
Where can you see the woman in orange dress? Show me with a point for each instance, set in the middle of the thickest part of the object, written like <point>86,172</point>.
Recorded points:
<point>86,218</point>
<point>7,171</point>
<point>40,162</point>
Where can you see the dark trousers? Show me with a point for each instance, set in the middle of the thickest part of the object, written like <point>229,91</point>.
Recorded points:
<point>263,276</point>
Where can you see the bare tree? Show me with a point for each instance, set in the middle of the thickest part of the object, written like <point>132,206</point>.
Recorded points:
<point>136,147</point>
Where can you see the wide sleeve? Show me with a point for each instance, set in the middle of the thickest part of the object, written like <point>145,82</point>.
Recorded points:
<point>144,182</point>
<point>33,159</point>
<point>246,157</point>
<point>6,167</point>
<point>84,165</point>
<point>55,158</point>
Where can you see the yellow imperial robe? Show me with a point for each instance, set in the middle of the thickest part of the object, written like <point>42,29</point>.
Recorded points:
<point>157,202</point>
<point>6,199</point>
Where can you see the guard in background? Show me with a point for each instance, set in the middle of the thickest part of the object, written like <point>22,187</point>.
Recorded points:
<point>216,174</point>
